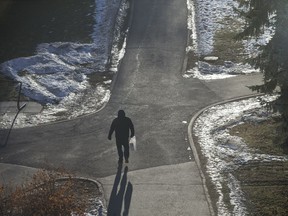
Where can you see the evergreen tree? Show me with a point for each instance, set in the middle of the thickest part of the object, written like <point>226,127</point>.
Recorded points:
<point>273,58</point>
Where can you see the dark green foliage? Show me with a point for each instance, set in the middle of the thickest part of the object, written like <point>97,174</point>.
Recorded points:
<point>257,16</point>
<point>273,59</point>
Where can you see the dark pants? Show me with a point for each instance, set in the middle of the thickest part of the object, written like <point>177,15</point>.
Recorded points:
<point>125,144</point>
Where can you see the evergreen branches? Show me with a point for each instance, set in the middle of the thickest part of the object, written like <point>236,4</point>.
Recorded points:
<point>273,58</point>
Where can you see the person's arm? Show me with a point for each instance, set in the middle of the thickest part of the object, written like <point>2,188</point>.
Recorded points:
<point>112,128</point>
<point>131,126</point>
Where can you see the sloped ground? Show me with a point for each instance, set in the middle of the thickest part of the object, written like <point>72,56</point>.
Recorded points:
<point>265,185</point>
<point>243,154</point>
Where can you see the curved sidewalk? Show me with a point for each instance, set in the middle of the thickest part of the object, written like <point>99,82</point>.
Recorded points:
<point>162,175</point>
<point>178,189</point>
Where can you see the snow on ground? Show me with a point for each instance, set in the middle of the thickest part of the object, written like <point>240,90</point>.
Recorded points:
<point>58,72</point>
<point>97,209</point>
<point>224,153</point>
<point>205,18</point>
<point>59,68</point>
<point>206,71</point>
<point>56,75</point>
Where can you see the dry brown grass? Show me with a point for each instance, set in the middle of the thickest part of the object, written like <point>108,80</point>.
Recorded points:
<point>45,194</point>
<point>265,185</point>
<point>266,137</point>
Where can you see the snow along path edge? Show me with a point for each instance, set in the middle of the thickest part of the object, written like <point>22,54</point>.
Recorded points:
<point>194,149</point>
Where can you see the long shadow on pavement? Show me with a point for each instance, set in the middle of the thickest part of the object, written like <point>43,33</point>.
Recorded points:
<point>124,194</point>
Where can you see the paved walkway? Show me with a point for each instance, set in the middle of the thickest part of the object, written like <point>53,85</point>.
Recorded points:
<point>166,190</point>
<point>162,176</point>
<point>15,174</point>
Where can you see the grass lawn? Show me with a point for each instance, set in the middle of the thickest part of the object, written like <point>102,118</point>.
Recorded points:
<point>225,47</point>
<point>265,185</point>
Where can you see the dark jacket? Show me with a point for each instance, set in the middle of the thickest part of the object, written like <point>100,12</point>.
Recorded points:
<point>121,125</point>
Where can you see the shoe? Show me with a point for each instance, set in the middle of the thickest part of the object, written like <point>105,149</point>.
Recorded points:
<point>120,161</point>
<point>126,161</point>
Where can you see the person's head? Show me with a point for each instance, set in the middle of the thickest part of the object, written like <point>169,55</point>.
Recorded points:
<point>121,114</point>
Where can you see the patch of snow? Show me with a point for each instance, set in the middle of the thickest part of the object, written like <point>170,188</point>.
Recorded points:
<point>205,18</point>
<point>70,107</point>
<point>195,73</point>
<point>191,24</point>
<point>211,58</point>
<point>237,200</point>
<point>206,71</point>
<point>206,15</point>
<point>96,209</point>
<point>60,68</point>
<point>116,53</point>
<point>224,152</point>
<point>56,76</point>
<point>252,44</point>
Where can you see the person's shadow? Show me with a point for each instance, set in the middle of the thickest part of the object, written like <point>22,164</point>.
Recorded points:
<point>117,197</point>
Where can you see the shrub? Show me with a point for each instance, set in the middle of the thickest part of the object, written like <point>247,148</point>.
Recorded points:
<point>47,193</point>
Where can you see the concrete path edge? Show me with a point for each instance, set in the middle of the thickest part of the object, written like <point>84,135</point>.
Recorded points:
<point>95,182</point>
<point>194,149</point>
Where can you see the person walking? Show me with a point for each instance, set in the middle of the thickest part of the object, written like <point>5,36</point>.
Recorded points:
<point>122,126</point>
